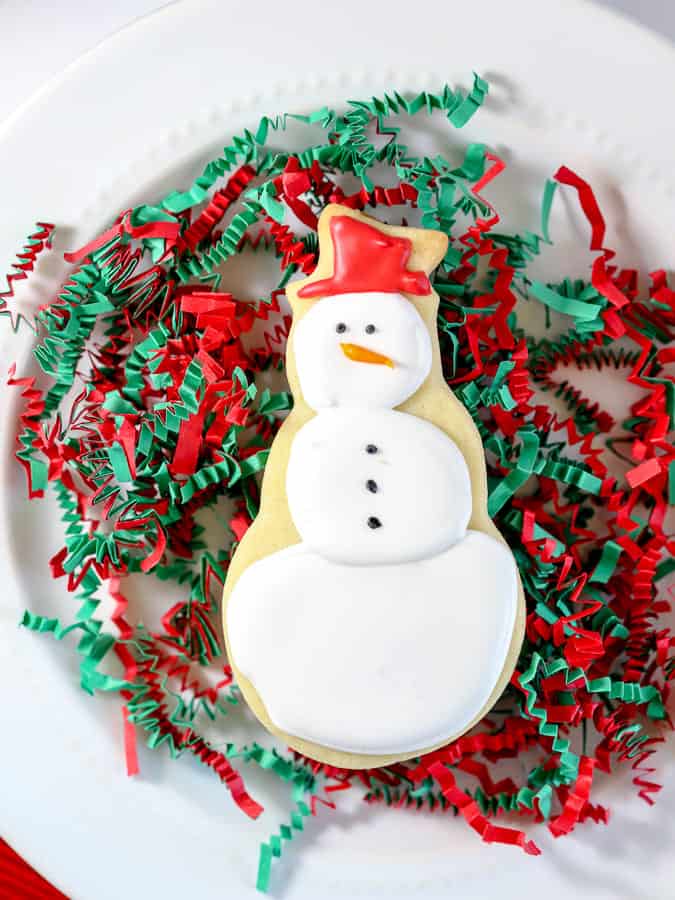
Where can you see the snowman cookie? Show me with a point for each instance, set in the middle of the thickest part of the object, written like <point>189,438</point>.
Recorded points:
<point>372,612</point>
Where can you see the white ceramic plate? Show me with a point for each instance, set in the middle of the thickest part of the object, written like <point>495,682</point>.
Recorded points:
<point>140,114</point>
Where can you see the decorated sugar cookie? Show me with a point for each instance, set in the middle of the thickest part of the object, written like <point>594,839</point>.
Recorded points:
<point>373,611</point>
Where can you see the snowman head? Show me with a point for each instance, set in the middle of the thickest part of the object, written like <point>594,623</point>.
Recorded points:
<point>363,343</point>
<point>361,350</point>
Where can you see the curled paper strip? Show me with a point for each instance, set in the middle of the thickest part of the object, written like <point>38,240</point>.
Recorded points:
<point>169,418</point>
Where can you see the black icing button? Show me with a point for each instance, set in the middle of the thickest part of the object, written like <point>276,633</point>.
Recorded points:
<point>371,486</point>
<point>371,448</point>
<point>374,522</point>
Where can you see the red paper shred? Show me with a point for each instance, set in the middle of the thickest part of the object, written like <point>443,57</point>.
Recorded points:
<point>471,813</point>
<point>130,751</point>
<point>38,243</point>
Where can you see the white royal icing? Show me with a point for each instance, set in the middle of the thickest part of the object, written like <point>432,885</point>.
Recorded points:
<point>386,630</point>
<point>328,378</point>
<point>375,659</point>
<point>420,489</point>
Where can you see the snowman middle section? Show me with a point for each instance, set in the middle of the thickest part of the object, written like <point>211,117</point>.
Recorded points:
<point>369,486</point>
<point>386,629</point>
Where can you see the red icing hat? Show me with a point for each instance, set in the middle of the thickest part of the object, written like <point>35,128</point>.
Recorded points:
<point>366,259</point>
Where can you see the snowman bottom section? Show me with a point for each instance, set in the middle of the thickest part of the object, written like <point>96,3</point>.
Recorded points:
<point>375,659</point>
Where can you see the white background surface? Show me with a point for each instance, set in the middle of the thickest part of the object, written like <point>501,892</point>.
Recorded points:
<point>38,38</point>
<point>68,806</point>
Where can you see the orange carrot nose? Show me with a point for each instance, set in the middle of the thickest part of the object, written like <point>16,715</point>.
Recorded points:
<point>363,354</point>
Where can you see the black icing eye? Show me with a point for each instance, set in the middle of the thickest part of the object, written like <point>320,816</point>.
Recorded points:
<point>371,486</point>
<point>371,448</point>
<point>374,522</point>
<point>340,327</point>
<point>370,329</point>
